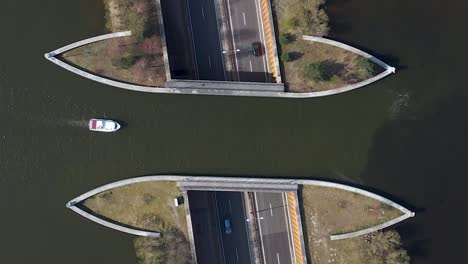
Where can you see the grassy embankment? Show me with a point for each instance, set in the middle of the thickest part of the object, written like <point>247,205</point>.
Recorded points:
<point>329,211</point>
<point>311,66</point>
<point>148,206</point>
<point>137,59</point>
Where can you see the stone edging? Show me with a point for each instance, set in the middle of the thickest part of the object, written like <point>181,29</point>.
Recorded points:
<point>406,213</point>
<point>351,49</point>
<point>117,227</point>
<point>51,56</point>
<point>87,41</point>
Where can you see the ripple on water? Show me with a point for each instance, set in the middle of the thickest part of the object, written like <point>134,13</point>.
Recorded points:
<point>400,105</point>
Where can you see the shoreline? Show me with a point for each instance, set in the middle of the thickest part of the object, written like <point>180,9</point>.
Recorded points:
<point>196,87</point>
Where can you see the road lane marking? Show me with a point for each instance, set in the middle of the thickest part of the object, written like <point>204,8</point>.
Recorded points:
<point>219,222</point>
<point>262,36</point>
<point>243,14</point>
<point>233,39</point>
<point>209,61</point>
<point>277,256</point>
<point>271,210</point>
<point>230,207</point>
<point>237,256</point>
<point>251,69</point>
<point>193,41</point>
<point>260,229</point>
<point>245,217</point>
<point>203,13</point>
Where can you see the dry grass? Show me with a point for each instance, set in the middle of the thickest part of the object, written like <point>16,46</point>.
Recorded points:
<point>137,204</point>
<point>149,206</point>
<point>342,64</point>
<point>329,211</point>
<point>148,67</point>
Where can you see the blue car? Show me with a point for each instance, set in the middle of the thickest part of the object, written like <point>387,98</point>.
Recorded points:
<point>227,226</point>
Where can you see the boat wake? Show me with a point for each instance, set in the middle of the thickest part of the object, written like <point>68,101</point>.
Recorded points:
<point>74,123</point>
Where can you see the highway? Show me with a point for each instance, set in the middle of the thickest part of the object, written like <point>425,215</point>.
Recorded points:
<point>247,28</point>
<point>274,229</point>
<point>179,39</point>
<point>206,227</point>
<point>206,40</point>
<point>208,211</point>
<point>236,247</point>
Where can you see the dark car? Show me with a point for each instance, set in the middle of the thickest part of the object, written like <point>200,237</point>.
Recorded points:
<point>227,226</point>
<point>257,49</point>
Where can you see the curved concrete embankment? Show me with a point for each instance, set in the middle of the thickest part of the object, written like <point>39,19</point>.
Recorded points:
<point>87,41</point>
<point>52,56</point>
<point>406,213</point>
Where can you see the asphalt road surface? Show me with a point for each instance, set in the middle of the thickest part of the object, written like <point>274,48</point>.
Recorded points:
<point>236,247</point>
<point>208,211</point>
<point>206,227</point>
<point>179,39</point>
<point>206,39</point>
<point>274,230</point>
<point>245,17</point>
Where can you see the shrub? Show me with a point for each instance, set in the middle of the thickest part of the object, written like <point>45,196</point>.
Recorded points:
<point>138,24</point>
<point>292,23</point>
<point>317,72</point>
<point>386,247</point>
<point>286,57</point>
<point>124,62</point>
<point>286,38</point>
<point>365,67</point>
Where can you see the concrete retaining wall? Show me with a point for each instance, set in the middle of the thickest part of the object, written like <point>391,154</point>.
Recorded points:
<point>162,36</point>
<point>351,49</point>
<point>117,227</point>
<point>406,213</point>
<point>51,56</point>
<point>87,41</point>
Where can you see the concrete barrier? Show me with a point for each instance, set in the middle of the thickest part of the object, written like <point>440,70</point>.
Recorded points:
<point>71,204</point>
<point>351,49</point>
<point>87,41</point>
<point>162,36</point>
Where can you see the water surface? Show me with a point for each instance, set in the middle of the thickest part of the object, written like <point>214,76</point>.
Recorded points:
<point>405,135</point>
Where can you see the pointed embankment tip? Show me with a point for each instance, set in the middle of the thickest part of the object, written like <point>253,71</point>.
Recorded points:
<point>71,205</point>
<point>116,226</point>
<point>49,55</point>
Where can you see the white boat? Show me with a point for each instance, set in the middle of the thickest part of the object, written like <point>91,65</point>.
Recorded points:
<point>103,125</point>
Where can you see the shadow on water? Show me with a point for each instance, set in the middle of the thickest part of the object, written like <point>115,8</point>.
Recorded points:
<point>423,159</point>
<point>337,24</point>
